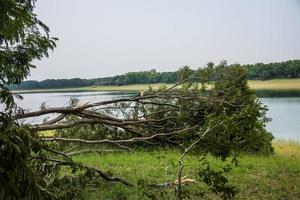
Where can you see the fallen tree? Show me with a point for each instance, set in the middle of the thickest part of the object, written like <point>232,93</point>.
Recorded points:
<point>220,116</point>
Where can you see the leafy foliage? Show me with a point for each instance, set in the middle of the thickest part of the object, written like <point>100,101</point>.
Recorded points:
<point>26,170</point>
<point>217,182</point>
<point>17,179</point>
<point>244,125</point>
<point>23,38</point>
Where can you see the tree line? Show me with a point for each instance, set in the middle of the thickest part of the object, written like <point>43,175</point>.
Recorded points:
<point>143,77</point>
<point>258,71</point>
<point>261,71</point>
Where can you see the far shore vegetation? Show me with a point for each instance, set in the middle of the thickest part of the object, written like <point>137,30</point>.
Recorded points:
<point>259,71</point>
<point>274,84</point>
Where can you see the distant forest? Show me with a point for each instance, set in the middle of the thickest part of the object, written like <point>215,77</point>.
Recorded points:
<point>258,71</point>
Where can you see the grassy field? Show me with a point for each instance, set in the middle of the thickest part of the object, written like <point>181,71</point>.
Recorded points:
<point>126,88</point>
<point>275,84</point>
<point>257,177</point>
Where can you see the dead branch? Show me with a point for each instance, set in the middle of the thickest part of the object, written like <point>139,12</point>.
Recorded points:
<point>180,161</point>
<point>134,139</point>
<point>102,174</point>
<point>85,151</point>
<point>173,184</point>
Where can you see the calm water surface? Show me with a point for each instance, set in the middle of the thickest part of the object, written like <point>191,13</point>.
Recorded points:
<point>285,115</point>
<point>284,110</point>
<point>284,107</point>
<point>33,101</point>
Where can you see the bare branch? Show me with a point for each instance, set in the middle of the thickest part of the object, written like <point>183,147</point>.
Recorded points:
<point>84,151</point>
<point>102,174</point>
<point>134,139</point>
<point>180,161</point>
<point>55,120</point>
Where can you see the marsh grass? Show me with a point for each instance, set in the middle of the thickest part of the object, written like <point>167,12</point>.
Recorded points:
<point>109,88</point>
<point>287,148</point>
<point>256,177</point>
<point>275,84</point>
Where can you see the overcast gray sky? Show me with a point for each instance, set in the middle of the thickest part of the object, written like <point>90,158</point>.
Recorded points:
<point>100,38</point>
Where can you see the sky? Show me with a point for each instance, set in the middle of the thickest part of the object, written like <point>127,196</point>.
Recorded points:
<point>99,38</point>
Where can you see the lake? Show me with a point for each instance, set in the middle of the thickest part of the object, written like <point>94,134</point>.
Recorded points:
<point>284,107</point>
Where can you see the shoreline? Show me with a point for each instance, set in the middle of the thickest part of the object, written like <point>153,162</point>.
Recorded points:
<point>256,85</point>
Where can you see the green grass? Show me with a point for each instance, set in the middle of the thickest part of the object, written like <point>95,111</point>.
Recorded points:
<point>275,84</point>
<point>256,177</point>
<point>48,133</point>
